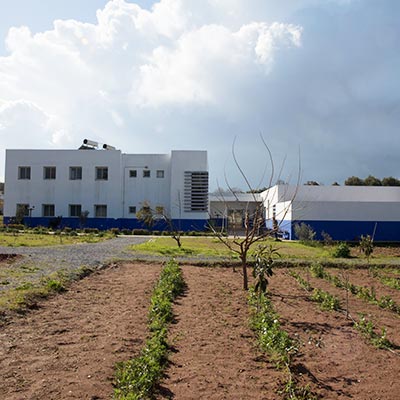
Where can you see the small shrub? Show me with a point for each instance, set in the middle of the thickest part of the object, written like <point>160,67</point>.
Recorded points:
<point>326,238</point>
<point>115,231</point>
<point>304,232</point>
<point>326,300</point>
<point>317,270</point>
<point>126,231</point>
<point>140,232</point>
<point>342,250</point>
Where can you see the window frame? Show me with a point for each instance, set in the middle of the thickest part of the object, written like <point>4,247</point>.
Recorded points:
<point>71,207</point>
<point>75,173</point>
<point>48,214</point>
<point>133,173</point>
<point>160,174</point>
<point>49,172</point>
<point>24,176</point>
<point>101,173</point>
<point>98,207</point>
<point>146,173</point>
<point>132,210</point>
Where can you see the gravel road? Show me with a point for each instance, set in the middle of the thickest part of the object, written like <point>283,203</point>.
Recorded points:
<point>41,261</point>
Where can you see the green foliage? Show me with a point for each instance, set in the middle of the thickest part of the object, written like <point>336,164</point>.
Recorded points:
<point>55,285</point>
<point>326,300</point>
<point>372,181</point>
<point>304,232</point>
<point>354,181</point>
<point>367,329</point>
<point>276,342</point>
<point>265,322</point>
<point>317,270</point>
<point>390,181</point>
<point>303,283</point>
<point>262,268</point>
<point>146,214</point>
<point>367,245</point>
<point>392,282</point>
<point>136,378</point>
<point>342,250</point>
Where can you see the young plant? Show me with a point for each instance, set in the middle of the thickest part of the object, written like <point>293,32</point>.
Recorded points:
<point>137,378</point>
<point>367,246</point>
<point>262,270</point>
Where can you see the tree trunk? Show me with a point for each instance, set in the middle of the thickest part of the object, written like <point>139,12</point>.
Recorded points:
<point>245,278</point>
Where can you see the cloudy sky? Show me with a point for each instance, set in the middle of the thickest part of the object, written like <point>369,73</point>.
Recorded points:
<point>315,77</point>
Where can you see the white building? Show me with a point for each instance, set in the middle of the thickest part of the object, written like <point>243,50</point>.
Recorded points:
<point>108,184</point>
<point>344,212</point>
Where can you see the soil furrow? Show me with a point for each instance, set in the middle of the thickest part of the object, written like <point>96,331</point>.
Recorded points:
<point>333,354</point>
<point>68,348</point>
<point>216,356</point>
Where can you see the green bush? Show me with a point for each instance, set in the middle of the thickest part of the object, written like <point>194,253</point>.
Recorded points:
<point>342,250</point>
<point>115,231</point>
<point>91,230</point>
<point>140,232</point>
<point>304,232</point>
<point>126,231</point>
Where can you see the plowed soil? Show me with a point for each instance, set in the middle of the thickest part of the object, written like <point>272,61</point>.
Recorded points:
<point>67,349</point>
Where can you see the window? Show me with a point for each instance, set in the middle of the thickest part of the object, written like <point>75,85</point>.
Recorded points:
<point>49,172</point>
<point>100,210</point>
<point>48,210</point>
<point>160,173</point>
<point>132,209</point>
<point>196,191</point>
<point>146,173</point>
<point>22,210</point>
<point>24,172</point>
<point>132,173</point>
<point>101,173</point>
<point>75,173</point>
<point>75,210</point>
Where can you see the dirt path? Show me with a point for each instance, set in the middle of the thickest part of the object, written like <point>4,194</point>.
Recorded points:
<point>337,359</point>
<point>216,356</point>
<point>68,348</point>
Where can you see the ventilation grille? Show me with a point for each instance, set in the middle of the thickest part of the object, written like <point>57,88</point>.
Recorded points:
<point>196,192</point>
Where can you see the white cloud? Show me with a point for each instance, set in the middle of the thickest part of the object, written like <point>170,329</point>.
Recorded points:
<point>190,74</point>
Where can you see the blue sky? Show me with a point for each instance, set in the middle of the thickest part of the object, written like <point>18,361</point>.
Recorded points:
<point>315,77</point>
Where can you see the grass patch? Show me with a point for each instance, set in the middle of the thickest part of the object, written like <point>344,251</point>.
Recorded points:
<point>137,378</point>
<point>34,240</point>
<point>212,247</point>
<point>26,295</point>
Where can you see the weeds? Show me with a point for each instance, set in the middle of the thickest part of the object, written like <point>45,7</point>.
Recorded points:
<point>326,300</point>
<point>136,379</point>
<point>276,342</point>
<point>378,340</point>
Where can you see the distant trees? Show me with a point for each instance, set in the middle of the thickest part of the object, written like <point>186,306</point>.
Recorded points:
<point>371,180</point>
<point>311,183</point>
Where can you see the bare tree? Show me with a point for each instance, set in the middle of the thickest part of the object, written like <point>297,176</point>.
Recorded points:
<point>253,229</point>
<point>149,216</point>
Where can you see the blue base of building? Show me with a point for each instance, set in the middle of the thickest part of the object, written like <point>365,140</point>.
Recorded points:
<point>109,223</point>
<point>385,231</point>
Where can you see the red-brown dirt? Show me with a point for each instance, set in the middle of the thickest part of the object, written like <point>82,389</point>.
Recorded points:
<point>335,356</point>
<point>216,354</point>
<point>67,349</point>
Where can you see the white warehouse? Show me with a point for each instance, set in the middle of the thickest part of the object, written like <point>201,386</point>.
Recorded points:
<point>343,212</point>
<point>108,185</point>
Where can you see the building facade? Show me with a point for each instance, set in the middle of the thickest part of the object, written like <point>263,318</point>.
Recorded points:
<point>107,186</point>
<point>343,212</point>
